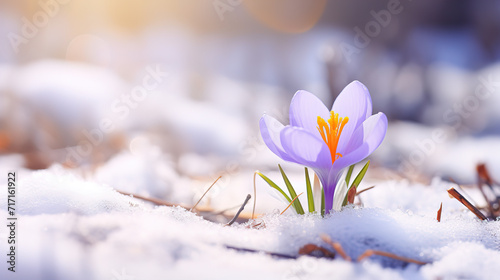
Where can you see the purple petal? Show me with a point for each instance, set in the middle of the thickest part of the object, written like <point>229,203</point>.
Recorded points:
<point>365,140</point>
<point>330,185</point>
<point>354,102</point>
<point>305,148</point>
<point>305,109</point>
<point>270,129</point>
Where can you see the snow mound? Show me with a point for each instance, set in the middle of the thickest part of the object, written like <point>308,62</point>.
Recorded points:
<point>74,228</point>
<point>56,190</point>
<point>174,243</point>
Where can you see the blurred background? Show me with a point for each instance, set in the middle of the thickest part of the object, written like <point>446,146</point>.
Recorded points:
<point>176,88</point>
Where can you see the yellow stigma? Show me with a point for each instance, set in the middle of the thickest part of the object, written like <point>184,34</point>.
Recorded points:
<point>330,132</point>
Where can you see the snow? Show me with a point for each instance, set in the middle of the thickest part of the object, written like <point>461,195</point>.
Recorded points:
<point>71,92</point>
<point>55,191</point>
<point>76,228</point>
<point>436,85</point>
<point>73,223</point>
<point>412,148</point>
<point>142,175</point>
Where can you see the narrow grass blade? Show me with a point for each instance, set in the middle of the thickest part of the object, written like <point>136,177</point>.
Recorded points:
<point>310,197</point>
<point>297,205</point>
<point>322,202</point>
<point>273,185</point>
<point>357,180</point>
<point>361,174</point>
<point>348,175</point>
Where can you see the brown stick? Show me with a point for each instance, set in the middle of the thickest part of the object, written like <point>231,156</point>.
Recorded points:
<point>201,210</point>
<point>484,177</point>
<point>439,212</point>
<point>455,194</point>
<point>336,246</point>
<point>152,200</point>
<point>462,189</point>
<point>480,182</point>
<point>309,248</point>
<point>239,211</point>
<point>369,253</point>
<point>483,173</point>
<point>278,255</point>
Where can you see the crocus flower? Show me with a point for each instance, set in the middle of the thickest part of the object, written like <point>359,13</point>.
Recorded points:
<point>327,141</point>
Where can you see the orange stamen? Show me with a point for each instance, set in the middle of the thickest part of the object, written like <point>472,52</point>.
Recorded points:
<point>330,132</point>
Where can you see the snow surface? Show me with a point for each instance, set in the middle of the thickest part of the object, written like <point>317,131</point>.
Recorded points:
<point>76,228</point>
<point>412,148</point>
<point>73,224</point>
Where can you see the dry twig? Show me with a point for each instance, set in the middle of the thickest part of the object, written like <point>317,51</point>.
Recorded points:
<point>455,194</point>
<point>239,211</point>
<point>336,246</point>
<point>369,253</point>
<point>463,191</point>
<point>278,255</point>
<point>308,249</point>
<point>484,178</point>
<point>201,210</point>
<point>439,212</point>
<point>351,194</point>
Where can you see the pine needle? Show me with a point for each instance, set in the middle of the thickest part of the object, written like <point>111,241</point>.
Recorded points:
<point>150,199</point>
<point>291,203</point>
<point>364,190</point>
<point>191,210</point>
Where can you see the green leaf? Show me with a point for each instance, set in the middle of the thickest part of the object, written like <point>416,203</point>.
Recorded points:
<point>323,202</point>
<point>357,180</point>
<point>296,204</point>
<point>310,197</point>
<point>273,185</point>
<point>348,175</point>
